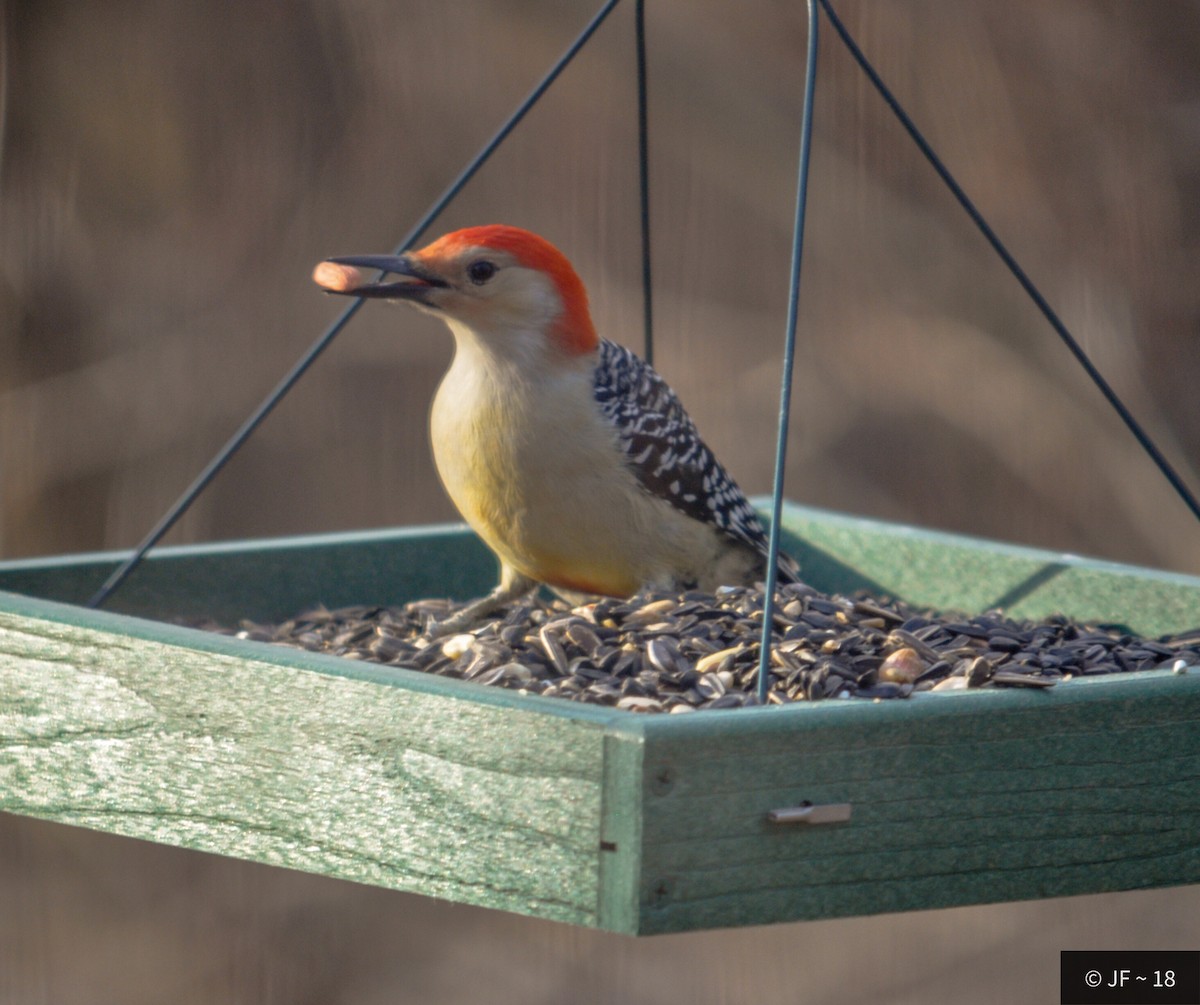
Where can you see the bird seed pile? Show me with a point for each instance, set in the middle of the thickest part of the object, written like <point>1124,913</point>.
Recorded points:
<point>676,653</point>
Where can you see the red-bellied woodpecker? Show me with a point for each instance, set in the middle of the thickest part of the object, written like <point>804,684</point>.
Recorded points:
<point>566,453</point>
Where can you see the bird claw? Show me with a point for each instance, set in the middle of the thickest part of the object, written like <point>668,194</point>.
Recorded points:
<point>452,625</point>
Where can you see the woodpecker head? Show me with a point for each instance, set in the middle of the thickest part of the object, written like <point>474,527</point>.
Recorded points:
<point>497,282</point>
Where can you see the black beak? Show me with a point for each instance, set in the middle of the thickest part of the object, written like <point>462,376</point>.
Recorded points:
<point>420,280</point>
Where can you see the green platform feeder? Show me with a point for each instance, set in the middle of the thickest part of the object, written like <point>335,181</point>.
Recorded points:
<point>589,815</point>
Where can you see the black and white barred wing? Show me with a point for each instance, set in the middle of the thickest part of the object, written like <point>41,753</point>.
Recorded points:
<point>665,451</point>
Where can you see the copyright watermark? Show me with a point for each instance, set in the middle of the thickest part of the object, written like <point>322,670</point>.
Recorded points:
<point>1117,977</point>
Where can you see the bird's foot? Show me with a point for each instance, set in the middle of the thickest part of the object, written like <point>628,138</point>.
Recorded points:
<point>511,588</point>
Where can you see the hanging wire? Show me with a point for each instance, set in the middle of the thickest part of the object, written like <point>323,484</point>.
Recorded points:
<point>4,72</point>
<point>644,180</point>
<point>1035,295</point>
<point>789,355</point>
<point>181,506</point>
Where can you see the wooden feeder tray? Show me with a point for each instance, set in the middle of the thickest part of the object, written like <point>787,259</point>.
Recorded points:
<point>590,815</point>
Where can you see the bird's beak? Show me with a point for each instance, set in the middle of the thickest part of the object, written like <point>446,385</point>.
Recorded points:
<point>343,275</point>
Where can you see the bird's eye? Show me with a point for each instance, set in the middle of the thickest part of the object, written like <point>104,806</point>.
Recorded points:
<point>480,272</point>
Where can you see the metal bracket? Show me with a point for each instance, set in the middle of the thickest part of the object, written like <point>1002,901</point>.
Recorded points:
<point>807,813</point>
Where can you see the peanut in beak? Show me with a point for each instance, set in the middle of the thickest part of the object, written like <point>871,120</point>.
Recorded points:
<point>337,278</point>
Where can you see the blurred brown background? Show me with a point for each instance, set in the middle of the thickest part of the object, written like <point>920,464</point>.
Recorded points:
<point>169,174</point>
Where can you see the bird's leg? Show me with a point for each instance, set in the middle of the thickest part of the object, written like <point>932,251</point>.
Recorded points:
<point>512,586</point>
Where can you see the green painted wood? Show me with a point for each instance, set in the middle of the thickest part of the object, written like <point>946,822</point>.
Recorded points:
<point>957,798</point>
<point>270,580</point>
<point>621,830</point>
<point>479,801</point>
<point>273,579</point>
<point>632,823</point>
<point>952,572</point>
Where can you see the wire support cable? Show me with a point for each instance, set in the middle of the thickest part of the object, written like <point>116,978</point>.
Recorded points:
<point>644,180</point>
<point>789,356</point>
<point>1142,437</point>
